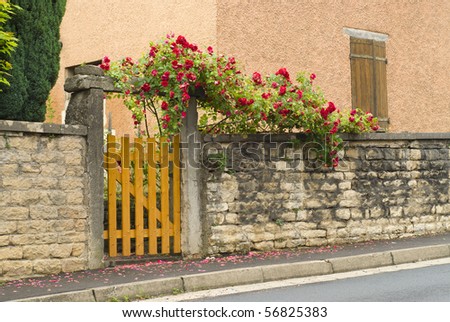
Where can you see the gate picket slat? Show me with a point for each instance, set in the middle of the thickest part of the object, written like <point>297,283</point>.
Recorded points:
<point>165,219</point>
<point>176,195</point>
<point>151,198</point>
<point>126,238</point>
<point>112,211</point>
<point>139,193</point>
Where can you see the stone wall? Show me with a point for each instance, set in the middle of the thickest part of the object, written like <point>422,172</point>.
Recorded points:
<point>43,199</point>
<point>263,193</point>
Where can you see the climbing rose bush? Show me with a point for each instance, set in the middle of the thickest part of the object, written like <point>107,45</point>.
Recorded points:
<point>163,81</point>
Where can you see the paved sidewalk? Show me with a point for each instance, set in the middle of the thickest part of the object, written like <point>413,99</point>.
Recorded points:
<point>162,277</point>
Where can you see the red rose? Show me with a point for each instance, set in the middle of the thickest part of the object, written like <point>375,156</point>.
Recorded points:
<point>165,76</point>
<point>164,105</point>
<point>282,90</point>
<point>300,94</point>
<point>191,77</point>
<point>183,114</point>
<point>104,66</point>
<point>277,105</point>
<point>257,78</point>
<point>171,94</point>
<point>182,41</point>
<point>164,83</point>
<point>331,108</point>
<point>188,64</point>
<point>283,72</point>
<point>242,101</point>
<point>352,112</point>
<point>275,85</point>
<point>312,77</point>
<point>351,119</point>
<point>210,50</point>
<point>193,47</point>
<point>265,95</point>
<point>154,73</point>
<point>146,87</point>
<point>185,97</point>
<point>176,65</point>
<point>153,51</point>
<point>180,76</point>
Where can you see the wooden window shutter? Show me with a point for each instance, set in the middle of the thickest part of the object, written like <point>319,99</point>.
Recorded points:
<point>368,73</point>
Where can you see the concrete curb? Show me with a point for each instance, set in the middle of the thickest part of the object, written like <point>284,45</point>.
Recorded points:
<point>248,275</point>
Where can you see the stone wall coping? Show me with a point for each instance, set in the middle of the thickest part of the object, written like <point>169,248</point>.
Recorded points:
<point>45,128</point>
<point>284,137</point>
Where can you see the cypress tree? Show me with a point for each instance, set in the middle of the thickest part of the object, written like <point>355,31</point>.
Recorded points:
<point>35,61</point>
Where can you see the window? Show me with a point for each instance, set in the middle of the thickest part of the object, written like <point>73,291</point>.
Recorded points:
<point>368,74</point>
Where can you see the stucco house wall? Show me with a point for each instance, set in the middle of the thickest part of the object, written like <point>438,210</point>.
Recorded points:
<point>265,35</point>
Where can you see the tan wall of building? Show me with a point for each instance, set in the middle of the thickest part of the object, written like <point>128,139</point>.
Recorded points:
<point>308,35</point>
<point>116,28</point>
<point>265,35</point>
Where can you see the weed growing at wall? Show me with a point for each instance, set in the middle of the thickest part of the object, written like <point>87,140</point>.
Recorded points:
<point>162,82</point>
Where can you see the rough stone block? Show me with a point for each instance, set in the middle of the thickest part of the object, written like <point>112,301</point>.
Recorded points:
<point>263,245</point>
<point>11,253</point>
<point>74,264</point>
<point>36,251</point>
<point>34,239</point>
<point>316,233</point>
<point>8,227</point>
<point>75,197</point>
<point>32,226</point>
<point>27,142</point>
<point>60,250</point>
<point>78,249</point>
<point>42,182</point>
<point>18,183</point>
<point>72,183</point>
<point>9,169</point>
<point>14,213</point>
<point>71,237</point>
<point>73,212</point>
<point>43,212</point>
<point>343,213</point>
<point>54,170</point>
<point>47,266</point>
<point>24,199</point>
<point>19,268</point>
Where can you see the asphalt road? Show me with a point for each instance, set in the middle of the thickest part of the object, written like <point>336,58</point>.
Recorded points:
<point>428,284</point>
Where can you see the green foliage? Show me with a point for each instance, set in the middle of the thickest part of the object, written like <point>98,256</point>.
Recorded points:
<point>162,82</point>
<point>8,42</point>
<point>35,61</point>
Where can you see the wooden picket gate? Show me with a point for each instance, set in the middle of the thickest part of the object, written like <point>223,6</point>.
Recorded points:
<point>143,179</point>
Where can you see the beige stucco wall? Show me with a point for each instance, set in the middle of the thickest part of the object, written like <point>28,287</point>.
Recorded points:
<point>308,35</point>
<point>92,29</point>
<point>265,35</point>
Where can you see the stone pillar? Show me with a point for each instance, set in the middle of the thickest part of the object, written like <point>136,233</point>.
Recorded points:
<point>86,108</point>
<point>191,183</point>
